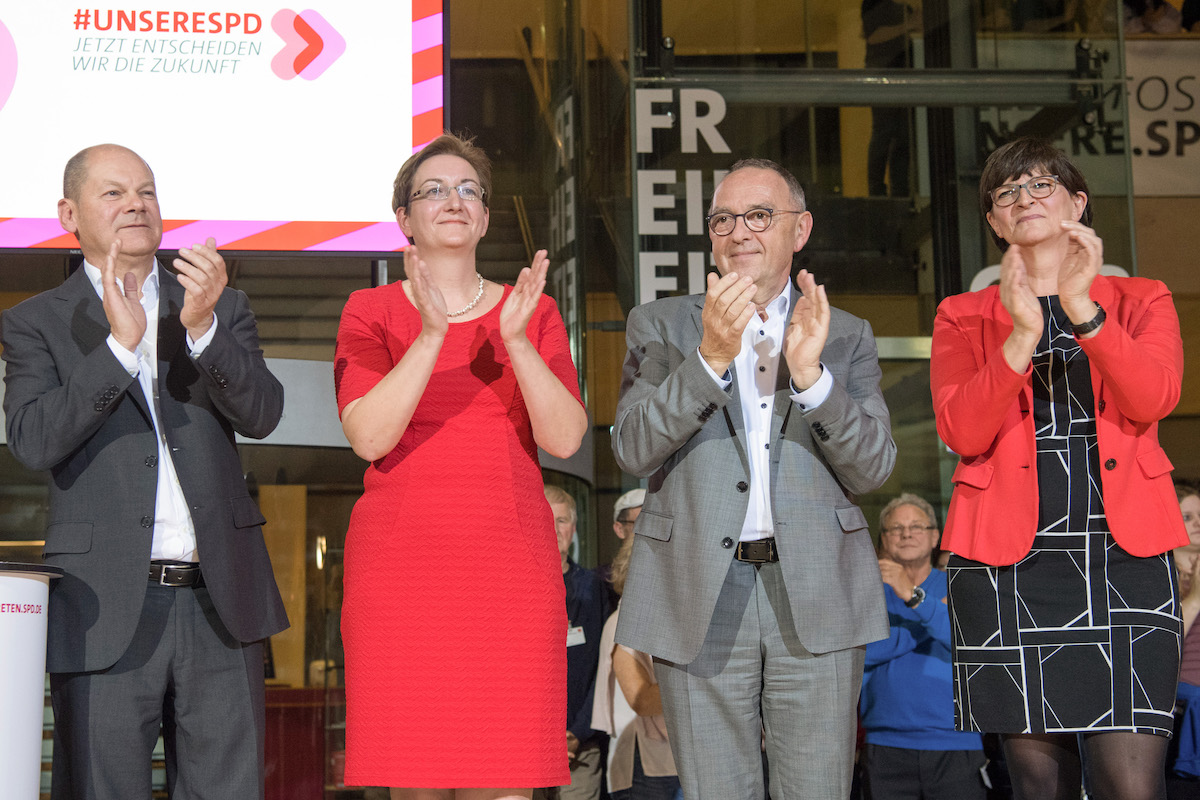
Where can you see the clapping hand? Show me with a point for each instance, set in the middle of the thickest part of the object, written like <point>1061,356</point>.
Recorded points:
<point>806,335</point>
<point>126,317</point>
<point>523,300</point>
<point>201,271</point>
<point>426,296</point>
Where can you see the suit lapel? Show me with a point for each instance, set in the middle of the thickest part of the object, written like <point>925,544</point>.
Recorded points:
<point>83,311</point>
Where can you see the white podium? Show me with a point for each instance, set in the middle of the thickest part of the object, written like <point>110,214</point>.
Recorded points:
<point>24,592</point>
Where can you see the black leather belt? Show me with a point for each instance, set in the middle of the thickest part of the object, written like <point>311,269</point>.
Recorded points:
<point>760,551</point>
<point>166,573</point>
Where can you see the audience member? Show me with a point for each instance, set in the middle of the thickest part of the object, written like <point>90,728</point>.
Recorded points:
<point>886,25</point>
<point>629,707</point>
<point>1190,16</point>
<point>625,513</point>
<point>907,705</point>
<point>587,608</point>
<point>1151,16</point>
<point>1186,765</point>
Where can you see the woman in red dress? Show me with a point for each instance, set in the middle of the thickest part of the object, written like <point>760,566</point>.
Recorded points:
<point>454,618</point>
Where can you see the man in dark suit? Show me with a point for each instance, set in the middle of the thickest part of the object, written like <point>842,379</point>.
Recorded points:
<point>755,413</point>
<point>127,383</point>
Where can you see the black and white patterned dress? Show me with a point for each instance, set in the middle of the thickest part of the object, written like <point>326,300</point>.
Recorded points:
<point>1078,635</point>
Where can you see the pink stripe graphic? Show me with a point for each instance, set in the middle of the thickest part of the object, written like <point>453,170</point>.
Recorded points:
<point>426,33</point>
<point>221,230</point>
<point>29,231</point>
<point>427,95</point>
<point>381,237</point>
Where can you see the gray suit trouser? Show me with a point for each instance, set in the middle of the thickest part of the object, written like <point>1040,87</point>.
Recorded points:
<point>183,671</point>
<point>753,678</point>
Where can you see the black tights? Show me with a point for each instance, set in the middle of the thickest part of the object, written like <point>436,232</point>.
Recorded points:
<point>1120,766</point>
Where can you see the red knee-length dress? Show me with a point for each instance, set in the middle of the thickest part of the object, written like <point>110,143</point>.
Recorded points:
<point>454,616</point>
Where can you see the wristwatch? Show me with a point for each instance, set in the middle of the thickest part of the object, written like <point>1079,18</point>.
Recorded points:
<point>1091,324</point>
<point>917,598</point>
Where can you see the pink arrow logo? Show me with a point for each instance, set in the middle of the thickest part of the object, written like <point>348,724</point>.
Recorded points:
<point>310,44</point>
<point>8,64</point>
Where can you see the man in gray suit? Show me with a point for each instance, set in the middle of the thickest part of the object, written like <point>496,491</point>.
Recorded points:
<point>756,415</point>
<point>127,383</point>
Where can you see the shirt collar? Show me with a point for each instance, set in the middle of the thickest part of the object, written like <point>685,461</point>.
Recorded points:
<point>149,287</point>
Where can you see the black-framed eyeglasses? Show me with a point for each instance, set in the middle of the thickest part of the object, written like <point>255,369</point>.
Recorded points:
<point>914,529</point>
<point>1040,187</point>
<point>757,219</point>
<point>470,192</point>
<point>626,521</point>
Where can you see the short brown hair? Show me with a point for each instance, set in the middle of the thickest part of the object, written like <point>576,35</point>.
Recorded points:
<point>448,144</point>
<point>1024,156</point>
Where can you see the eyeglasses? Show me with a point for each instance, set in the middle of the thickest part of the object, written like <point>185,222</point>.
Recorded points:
<point>914,529</point>
<point>625,521</point>
<point>756,219</point>
<point>1039,187</point>
<point>470,192</point>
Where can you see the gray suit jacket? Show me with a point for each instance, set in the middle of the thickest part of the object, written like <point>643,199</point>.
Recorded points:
<point>677,427</point>
<point>72,409</point>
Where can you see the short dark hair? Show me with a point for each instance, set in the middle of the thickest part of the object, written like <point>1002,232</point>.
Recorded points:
<point>794,187</point>
<point>448,144</point>
<point>1025,156</point>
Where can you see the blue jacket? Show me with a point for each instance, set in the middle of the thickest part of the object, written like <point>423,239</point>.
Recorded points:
<point>908,690</point>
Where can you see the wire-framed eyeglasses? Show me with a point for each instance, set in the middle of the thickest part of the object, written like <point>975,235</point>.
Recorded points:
<point>757,219</point>
<point>469,192</point>
<point>914,529</point>
<point>1040,187</point>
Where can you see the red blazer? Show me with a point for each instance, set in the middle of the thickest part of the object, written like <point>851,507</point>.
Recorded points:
<point>984,413</point>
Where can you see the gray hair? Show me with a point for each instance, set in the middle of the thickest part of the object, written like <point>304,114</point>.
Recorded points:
<point>907,499</point>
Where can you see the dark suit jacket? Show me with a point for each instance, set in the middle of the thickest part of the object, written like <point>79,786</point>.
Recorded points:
<point>984,413</point>
<point>677,427</point>
<point>72,409</point>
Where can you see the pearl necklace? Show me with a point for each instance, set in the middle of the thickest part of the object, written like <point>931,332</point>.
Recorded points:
<point>470,305</point>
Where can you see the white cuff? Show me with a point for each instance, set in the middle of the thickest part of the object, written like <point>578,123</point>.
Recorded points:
<point>814,395</point>
<point>197,347</point>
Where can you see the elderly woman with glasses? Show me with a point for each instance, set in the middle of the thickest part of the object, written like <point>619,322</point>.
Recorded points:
<point>1063,596</point>
<point>454,612</point>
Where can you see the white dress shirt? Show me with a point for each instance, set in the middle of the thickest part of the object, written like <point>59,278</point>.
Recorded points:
<point>756,368</point>
<point>174,532</point>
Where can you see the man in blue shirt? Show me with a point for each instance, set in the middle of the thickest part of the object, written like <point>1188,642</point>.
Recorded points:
<point>907,702</point>
<point>587,609</point>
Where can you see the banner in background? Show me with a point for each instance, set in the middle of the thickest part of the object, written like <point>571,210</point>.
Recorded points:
<point>268,128</point>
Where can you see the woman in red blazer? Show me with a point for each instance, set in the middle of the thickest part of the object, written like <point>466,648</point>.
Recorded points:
<point>1049,387</point>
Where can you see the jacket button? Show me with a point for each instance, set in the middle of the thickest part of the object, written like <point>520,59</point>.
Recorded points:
<point>742,486</point>
<point>1110,464</point>
<point>1100,406</point>
<point>727,543</point>
<point>99,406</point>
<point>151,461</point>
<point>147,521</point>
